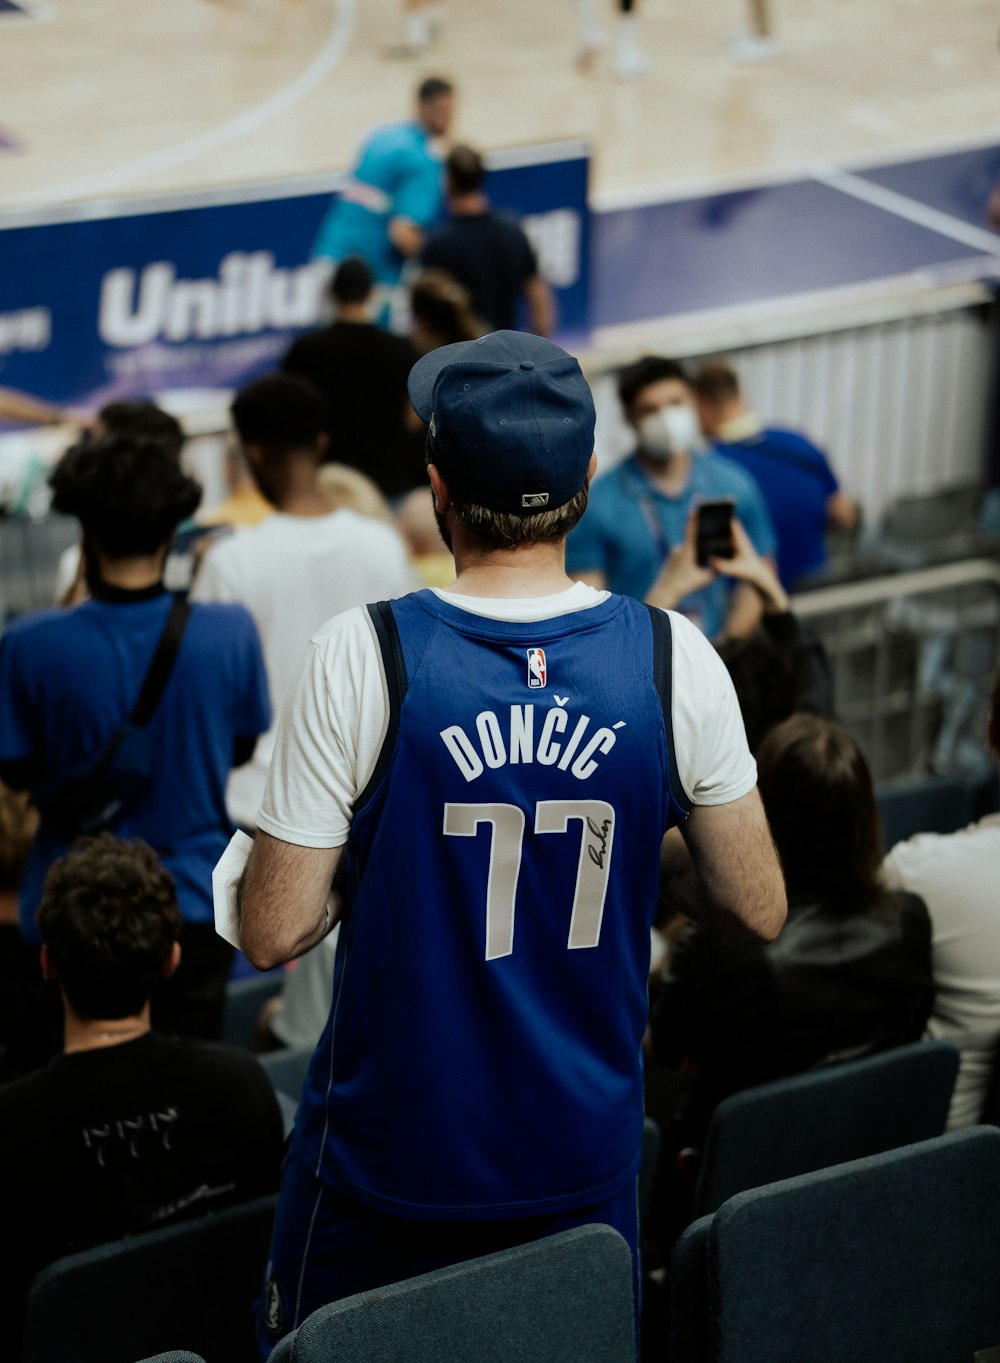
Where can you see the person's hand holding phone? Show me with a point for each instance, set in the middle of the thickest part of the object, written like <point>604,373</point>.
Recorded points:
<point>681,573</point>
<point>747,565</point>
<point>714,530</point>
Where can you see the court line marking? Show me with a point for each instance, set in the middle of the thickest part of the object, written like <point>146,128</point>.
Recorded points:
<point>249,121</point>
<point>35,11</point>
<point>902,206</point>
<point>739,181</point>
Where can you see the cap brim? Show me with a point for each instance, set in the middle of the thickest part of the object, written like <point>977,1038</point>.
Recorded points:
<point>424,375</point>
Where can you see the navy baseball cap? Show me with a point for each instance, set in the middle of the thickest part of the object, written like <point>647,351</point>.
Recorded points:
<point>510,419</point>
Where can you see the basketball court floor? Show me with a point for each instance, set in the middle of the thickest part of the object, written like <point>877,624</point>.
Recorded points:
<point>865,149</point>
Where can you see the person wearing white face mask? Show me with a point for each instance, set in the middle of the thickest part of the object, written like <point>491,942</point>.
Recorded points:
<point>635,537</point>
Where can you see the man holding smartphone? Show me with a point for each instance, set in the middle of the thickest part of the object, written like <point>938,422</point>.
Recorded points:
<point>639,512</point>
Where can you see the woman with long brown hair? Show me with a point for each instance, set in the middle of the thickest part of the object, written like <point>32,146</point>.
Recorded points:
<point>851,971</point>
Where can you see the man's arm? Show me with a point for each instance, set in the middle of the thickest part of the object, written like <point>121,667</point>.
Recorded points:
<point>841,512</point>
<point>283,899</point>
<point>721,869</point>
<point>17,406</point>
<point>745,612</point>
<point>541,307</point>
<point>406,236</point>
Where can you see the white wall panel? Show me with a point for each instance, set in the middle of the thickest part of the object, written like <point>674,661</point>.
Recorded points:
<point>899,406</point>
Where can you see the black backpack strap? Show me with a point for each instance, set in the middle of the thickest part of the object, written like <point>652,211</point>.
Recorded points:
<point>396,682</point>
<point>663,679</point>
<point>158,675</point>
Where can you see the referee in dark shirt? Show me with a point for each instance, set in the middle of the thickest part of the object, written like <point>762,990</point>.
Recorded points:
<point>488,252</point>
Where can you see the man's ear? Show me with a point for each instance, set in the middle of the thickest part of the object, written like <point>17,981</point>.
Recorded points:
<point>45,960</point>
<point>254,455</point>
<point>439,488</point>
<point>172,961</point>
<point>592,466</point>
<point>322,445</point>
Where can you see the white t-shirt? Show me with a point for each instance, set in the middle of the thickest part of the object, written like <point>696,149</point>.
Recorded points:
<point>334,721</point>
<point>293,573</point>
<point>955,875</point>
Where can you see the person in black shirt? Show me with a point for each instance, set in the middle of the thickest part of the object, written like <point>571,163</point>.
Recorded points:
<point>361,371</point>
<point>488,252</point>
<point>126,1130</point>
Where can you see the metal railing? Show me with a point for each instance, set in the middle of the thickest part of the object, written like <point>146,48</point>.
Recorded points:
<point>913,658</point>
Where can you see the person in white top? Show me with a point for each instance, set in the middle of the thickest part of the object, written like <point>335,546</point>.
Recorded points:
<point>955,874</point>
<point>302,565</point>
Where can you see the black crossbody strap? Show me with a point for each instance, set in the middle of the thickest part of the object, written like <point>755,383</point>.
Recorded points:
<point>663,678</point>
<point>396,682</point>
<point>163,661</point>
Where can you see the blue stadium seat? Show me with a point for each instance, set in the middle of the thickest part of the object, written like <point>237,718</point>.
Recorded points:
<point>894,1258</point>
<point>192,1285</point>
<point>824,1117</point>
<point>925,804</point>
<point>564,1299</point>
<point>174,1356</point>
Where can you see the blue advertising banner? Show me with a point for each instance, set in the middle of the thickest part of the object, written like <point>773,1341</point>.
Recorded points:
<point>208,291</point>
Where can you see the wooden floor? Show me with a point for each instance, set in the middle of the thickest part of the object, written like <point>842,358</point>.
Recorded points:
<point>118,97</point>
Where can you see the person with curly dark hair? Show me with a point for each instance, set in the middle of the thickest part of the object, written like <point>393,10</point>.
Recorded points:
<point>126,1130</point>
<point>69,680</point>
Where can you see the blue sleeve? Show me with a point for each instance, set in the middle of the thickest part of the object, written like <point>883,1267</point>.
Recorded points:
<point>324,244</point>
<point>756,518</point>
<point>585,548</point>
<point>827,477</point>
<point>419,193</point>
<point>16,738</point>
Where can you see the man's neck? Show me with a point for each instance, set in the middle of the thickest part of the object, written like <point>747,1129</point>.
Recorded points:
<point>298,492</point>
<point>94,1034</point>
<point>468,205</point>
<point>131,574</point>
<point>353,312</point>
<point>9,911</point>
<point>531,571</point>
<point>671,476</point>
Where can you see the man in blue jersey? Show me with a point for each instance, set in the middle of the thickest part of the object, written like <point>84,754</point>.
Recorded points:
<point>395,190</point>
<point>794,475</point>
<point>496,775</point>
<point>634,530</point>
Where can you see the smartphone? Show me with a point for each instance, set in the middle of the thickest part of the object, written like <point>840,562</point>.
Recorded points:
<point>715,531</point>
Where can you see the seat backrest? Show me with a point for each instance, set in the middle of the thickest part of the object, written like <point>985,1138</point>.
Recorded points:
<point>824,1117</point>
<point>928,516</point>
<point>174,1356</point>
<point>287,1069</point>
<point>565,1299</point>
<point>244,1000</point>
<point>690,1307</point>
<point>894,1258</point>
<point>190,1286</point>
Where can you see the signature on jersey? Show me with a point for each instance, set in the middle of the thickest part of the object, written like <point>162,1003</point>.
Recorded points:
<point>600,832</point>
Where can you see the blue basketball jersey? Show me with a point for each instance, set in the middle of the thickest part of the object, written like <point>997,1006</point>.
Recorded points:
<point>482,1055</point>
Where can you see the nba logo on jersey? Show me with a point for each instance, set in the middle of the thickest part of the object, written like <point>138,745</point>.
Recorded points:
<point>536,667</point>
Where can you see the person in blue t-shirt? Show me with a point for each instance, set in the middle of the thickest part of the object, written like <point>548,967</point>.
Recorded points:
<point>640,511</point>
<point>497,774</point>
<point>69,679</point>
<point>794,475</point>
<point>395,190</point>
